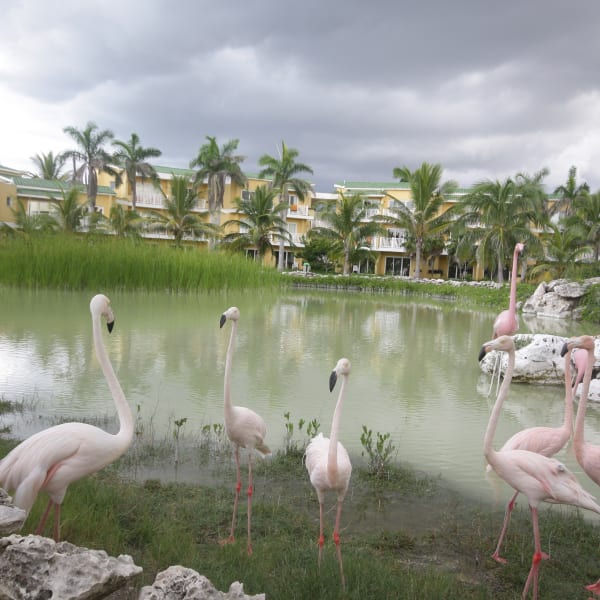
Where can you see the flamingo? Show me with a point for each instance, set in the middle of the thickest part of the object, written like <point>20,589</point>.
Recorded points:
<point>55,457</point>
<point>507,322</point>
<point>587,455</point>
<point>580,359</point>
<point>245,428</point>
<point>328,463</point>
<point>540,478</point>
<point>543,440</point>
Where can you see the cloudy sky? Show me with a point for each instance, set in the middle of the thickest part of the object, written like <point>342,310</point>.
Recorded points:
<point>485,88</point>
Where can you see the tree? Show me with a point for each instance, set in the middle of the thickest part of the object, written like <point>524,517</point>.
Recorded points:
<point>27,224</point>
<point>261,220</point>
<point>49,165</point>
<point>568,193</point>
<point>423,218</point>
<point>123,222</point>
<point>179,219</point>
<point>348,227</point>
<point>586,220</point>
<point>495,216</point>
<point>133,158</point>
<point>216,164</point>
<point>284,172</point>
<point>317,251</point>
<point>92,156</point>
<point>68,213</point>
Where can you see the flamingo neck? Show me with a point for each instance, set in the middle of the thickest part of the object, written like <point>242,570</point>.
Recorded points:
<point>332,464</point>
<point>512,302</point>
<point>228,407</point>
<point>488,441</point>
<point>578,440</point>
<point>126,424</point>
<point>568,422</point>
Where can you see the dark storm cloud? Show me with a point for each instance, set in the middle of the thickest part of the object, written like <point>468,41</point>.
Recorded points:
<point>485,88</point>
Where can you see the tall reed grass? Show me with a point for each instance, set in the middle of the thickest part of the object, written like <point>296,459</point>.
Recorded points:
<point>102,262</point>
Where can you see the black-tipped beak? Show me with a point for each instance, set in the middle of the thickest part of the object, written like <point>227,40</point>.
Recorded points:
<point>332,380</point>
<point>110,325</point>
<point>565,349</point>
<point>482,353</point>
<point>222,321</point>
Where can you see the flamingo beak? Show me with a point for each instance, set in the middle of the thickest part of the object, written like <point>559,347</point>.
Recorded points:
<point>222,321</point>
<point>332,380</point>
<point>110,325</point>
<point>484,350</point>
<point>565,349</point>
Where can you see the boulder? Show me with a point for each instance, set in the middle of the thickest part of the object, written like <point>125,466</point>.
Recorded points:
<point>37,567</point>
<point>11,517</point>
<point>179,583</point>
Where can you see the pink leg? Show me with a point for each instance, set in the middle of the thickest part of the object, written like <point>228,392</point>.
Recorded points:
<point>238,487</point>
<point>336,539</point>
<point>594,587</point>
<point>509,508</point>
<point>57,522</point>
<point>538,556</point>
<point>321,536</point>
<point>250,491</point>
<point>42,524</point>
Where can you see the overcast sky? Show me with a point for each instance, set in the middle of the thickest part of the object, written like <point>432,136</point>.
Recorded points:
<point>485,88</point>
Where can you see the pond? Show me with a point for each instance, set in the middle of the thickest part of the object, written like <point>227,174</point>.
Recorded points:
<point>414,375</point>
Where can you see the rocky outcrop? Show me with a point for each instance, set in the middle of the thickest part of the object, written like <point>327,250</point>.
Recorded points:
<point>538,360</point>
<point>37,567</point>
<point>179,583</point>
<point>558,299</point>
<point>11,517</point>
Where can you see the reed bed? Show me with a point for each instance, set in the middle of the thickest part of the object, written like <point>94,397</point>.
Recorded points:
<point>103,262</point>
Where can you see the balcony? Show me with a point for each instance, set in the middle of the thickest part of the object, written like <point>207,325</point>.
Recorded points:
<point>297,211</point>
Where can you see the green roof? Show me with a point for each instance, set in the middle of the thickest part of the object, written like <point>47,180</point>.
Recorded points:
<point>36,186</point>
<point>174,171</point>
<point>374,185</point>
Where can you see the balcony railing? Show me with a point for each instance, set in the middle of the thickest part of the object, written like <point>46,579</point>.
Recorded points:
<point>299,211</point>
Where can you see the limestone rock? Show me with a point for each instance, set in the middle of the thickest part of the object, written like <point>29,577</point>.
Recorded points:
<point>11,517</point>
<point>37,567</point>
<point>181,583</point>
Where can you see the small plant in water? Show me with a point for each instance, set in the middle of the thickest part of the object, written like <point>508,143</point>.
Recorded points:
<point>179,423</point>
<point>292,446</point>
<point>379,453</point>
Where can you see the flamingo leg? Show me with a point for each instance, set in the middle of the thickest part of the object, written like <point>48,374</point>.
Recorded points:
<point>250,491</point>
<point>336,539</point>
<point>238,487</point>
<point>594,588</point>
<point>57,522</point>
<point>42,524</point>
<point>321,536</point>
<point>509,508</point>
<point>538,556</point>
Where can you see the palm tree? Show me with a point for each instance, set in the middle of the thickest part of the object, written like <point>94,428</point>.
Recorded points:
<point>123,222</point>
<point>179,219</point>
<point>496,215</point>
<point>261,220</point>
<point>348,227</point>
<point>568,193</point>
<point>133,158</point>
<point>68,213</point>
<point>284,172</point>
<point>92,156</point>
<point>563,250</point>
<point>49,165</point>
<point>586,220</point>
<point>422,218</point>
<point>216,164</point>
<point>27,224</point>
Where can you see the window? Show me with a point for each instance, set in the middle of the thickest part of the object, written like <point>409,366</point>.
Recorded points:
<point>8,201</point>
<point>247,195</point>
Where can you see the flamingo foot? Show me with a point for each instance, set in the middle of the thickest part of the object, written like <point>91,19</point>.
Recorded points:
<point>227,540</point>
<point>594,587</point>
<point>499,558</point>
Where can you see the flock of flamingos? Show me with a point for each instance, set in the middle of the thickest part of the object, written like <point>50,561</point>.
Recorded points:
<point>55,457</point>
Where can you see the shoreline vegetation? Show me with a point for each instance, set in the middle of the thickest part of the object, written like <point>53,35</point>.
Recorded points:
<point>405,535</point>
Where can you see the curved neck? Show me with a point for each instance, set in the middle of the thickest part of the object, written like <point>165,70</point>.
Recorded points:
<point>581,410</point>
<point>126,424</point>
<point>512,302</point>
<point>335,427</point>
<point>568,422</point>
<point>488,441</point>
<point>228,361</point>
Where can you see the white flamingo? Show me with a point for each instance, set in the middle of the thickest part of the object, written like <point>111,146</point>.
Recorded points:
<point>53,458</point>
<point>328,463</point>
<point>538,477</point>
<point>245,428</point>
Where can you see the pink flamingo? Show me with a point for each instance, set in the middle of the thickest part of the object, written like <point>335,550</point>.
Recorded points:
<point>507,322</point>
<point>587,455</point>
<point>580,359</point>
<point>52,459</point>
<point>245,428</point>
<point>328,463</point>
<point>540,478</point>
<point>542,440</point>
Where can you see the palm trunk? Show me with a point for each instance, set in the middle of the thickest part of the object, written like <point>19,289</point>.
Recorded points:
<point>280,261</point>
<point>418,260</point>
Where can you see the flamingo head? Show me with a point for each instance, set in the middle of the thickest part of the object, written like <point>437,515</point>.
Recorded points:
<point>503,343</point>
<point>232,313</point>
<point>342,368</point>
<point>585,342</point>
<point>100,306</point>
<point>519,247</point>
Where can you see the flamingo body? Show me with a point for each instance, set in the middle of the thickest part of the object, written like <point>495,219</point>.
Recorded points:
<point>53,458</point>
<point>244,428</point>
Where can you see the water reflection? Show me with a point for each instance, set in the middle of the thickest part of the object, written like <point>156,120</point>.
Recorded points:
<point>415,372</point>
